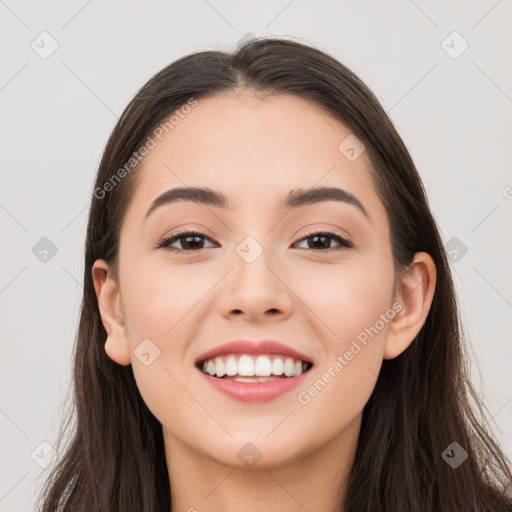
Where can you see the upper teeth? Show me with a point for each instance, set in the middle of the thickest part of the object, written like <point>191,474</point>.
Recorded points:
<point>250,366</point>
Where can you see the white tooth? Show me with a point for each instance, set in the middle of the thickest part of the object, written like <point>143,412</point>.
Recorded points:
<point>231,366</point>
<point>245,379</point>
<point>205,367</point>
<point>254,379</point>
<point>266,379</point>
<point>277,366</point>
<point>288,367</point>
<point>263,366</point>
<point>210,368</point>
<point>220,370</point>
<point>246,366</point>
<point>297,369</point>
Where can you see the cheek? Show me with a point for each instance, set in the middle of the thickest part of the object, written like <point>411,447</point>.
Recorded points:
<point>346,298</point>
<point>354,306</point>
<point>159,304</point>
<point>157,309</point>
<point>156,299</point>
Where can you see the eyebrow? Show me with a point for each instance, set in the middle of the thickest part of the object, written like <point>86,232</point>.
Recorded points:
<point>295,198</point>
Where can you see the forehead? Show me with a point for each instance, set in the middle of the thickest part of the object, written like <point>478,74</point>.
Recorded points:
<point>254,149</point>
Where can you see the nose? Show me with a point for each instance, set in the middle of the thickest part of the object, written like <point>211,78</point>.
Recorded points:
<point>256,290</point>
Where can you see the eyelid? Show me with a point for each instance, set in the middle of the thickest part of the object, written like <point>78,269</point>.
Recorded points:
<point>181,233</point>
<point>343,241</point>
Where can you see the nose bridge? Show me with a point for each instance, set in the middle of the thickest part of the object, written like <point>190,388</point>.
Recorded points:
<point>254,286</point>
<point>252,261</point>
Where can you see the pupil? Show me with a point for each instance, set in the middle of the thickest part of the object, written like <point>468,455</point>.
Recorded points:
<point>316,237</point>
<point>187,238</point>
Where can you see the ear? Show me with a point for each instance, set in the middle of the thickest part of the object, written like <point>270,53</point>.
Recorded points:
<point>117,345</point>
<point>415,292</point>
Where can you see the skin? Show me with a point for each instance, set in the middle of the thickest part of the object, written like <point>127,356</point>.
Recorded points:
<point>255,149</point>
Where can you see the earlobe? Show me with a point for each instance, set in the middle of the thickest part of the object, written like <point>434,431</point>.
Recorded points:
<point>117,345</point>
<point>415,292</point>
<point>117,350</point>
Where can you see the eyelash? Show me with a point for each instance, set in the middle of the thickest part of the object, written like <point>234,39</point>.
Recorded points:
<point>166,242</point>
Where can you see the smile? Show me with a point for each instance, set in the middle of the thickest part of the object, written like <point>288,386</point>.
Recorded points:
<point>250,368</point>
<point>251,378</point>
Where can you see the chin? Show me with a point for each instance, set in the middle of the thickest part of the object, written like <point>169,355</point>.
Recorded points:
<point>255,453</point>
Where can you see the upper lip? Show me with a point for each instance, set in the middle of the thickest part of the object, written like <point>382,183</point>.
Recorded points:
<point>253,347</point>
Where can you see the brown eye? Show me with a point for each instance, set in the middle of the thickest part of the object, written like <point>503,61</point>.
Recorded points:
<point>190,241</point>
<point>322,241</point>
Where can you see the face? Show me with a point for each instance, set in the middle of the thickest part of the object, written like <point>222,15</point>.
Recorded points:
<point>255,271</point>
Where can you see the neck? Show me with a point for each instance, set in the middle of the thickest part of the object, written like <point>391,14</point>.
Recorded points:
<point>312,481</point>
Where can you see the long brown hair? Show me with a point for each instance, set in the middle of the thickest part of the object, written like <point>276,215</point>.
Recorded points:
<point>423,400</point>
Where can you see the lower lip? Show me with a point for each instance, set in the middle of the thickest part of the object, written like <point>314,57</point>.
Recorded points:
<point>254,391</point>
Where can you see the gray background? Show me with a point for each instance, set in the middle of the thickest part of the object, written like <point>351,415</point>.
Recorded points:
<point>453,111</point>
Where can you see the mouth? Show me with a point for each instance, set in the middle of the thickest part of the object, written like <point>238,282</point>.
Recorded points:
<point>253,368</point>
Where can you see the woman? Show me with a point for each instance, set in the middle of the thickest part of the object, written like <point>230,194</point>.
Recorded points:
<point>269,320</point>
